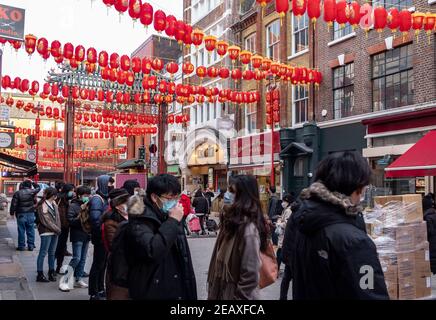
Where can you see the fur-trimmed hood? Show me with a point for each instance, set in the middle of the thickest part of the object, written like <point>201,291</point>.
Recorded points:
<point>320,191</point>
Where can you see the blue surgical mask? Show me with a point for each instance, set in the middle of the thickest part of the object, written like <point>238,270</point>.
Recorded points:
<point>70,194</point>
<point>167,205</point>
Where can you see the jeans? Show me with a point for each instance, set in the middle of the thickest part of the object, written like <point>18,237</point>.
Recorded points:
<point>96,275</point>
<point>26,225</point>
<point>62,246</point>
<point>279,258</point>
<point>48,245</point>
<point>80,250</point>
<point>284,286</point>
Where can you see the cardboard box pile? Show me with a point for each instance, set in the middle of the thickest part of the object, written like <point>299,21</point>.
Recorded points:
<point>400,234</point>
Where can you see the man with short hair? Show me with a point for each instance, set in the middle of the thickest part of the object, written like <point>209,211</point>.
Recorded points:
<point>160,265</point>
<point>23,207</point>
<point>274,211</point>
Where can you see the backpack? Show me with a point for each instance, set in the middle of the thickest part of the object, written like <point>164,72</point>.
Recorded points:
<point>118,264</point>
<point>85,219</point>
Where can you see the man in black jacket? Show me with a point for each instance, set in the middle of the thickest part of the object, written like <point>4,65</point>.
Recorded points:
<point>23,207</point>
<point>160,265</point>
<point>332,257</point>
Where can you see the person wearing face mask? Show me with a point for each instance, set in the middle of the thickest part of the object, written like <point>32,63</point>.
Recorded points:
<point>131,186</point>
<point>49,228</point>
<point>281,225</point>
<point>63,201</point>
<point>110,221</point>
<point>160,265</point>
<point>330,244</point>
<point>78,236</point>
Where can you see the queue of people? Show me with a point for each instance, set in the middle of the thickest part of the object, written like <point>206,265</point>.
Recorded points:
<point>141,250</point>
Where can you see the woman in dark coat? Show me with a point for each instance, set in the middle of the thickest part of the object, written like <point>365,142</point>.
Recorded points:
<point>201,205</point>
<point>430,218</point>
<point>331,249</point>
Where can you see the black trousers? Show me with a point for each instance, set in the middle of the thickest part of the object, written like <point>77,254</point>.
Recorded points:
<point>96,275</point>
<point>284,286</point>
<point>185,225</point>
<point>61,247</point>
<point>279,258</point>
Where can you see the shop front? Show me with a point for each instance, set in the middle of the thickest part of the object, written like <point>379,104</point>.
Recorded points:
<point>396,145</point>
<point>252,155</point>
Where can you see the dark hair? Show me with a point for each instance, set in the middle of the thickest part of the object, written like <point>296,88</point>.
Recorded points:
<point>26,184</point>
<point>289,198</point>
<point>222,192</point>
<point>272,189</point>
<point>111,180</point>
<point>130,186</point>
<point>344,172</point>
<point>59,185</point>
<point>163,183</point>
<point>80,191</point>
<point>48,193</point>
<point>67,188</point>
<point>427,203</point>
<point>245,209</point>
<point>198,194</point>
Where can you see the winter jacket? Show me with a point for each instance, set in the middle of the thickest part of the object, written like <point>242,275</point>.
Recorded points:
<point>430,218</point>
<point>288,245</point>
<point>186,203</point>
<point>201,205</point>
<point>281,225</point>
<point>49,221</point>
<point>234,267</point>
<point>23,201</point>
<point>111,220</point>
<point>331,247</point>
<point>98,205</point>
<point>160,265</point>
<point>63,204</point>
<point>77,234</point>
<point>274,208</point>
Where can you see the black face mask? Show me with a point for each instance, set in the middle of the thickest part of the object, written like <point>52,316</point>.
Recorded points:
<point>110,188</point>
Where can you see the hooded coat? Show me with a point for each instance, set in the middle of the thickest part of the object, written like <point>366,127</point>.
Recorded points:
<point>331,249</point>
<point>430,218</point>
<point>98,206</point>
<point>160,264</point>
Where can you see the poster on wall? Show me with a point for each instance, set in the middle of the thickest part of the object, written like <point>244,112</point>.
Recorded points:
<point>210,178</point>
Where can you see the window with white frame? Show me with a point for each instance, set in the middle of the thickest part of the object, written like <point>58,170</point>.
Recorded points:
<point>250,43</point>
<point>398,4</point>
<point>300,33</point>
<point>200,113</point>
<point>194,114</point>
<point>301,103</point>
<point>343,90</point>
<point>273,40</point>
<point>250,118</point>
<point>207,111</point>
<point>340,32</point>
<point>200,8</point>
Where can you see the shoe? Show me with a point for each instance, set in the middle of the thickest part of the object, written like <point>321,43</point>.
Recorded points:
<point>85,275</point>
<point>68,254</point>
<point>21,249</point>
<point>41,277</point>
<point>30,248</point>
<point>52,276</point>
<point>96,297</point>
<point>102,295</point>
<point>80,284</point>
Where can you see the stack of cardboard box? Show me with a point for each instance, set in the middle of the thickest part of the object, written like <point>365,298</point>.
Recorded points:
<point>400,235</point>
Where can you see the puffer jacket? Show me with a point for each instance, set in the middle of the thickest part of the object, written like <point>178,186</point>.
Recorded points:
<point>98,205</point>
<point>201,205</point>
<point>23,201</point>
<point>160,266</point>
<point>430,218</point>
<point>331,247</point>
<point>77,234</point>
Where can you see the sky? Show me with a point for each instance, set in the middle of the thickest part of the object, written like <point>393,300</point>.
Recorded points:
<point>77,22</point>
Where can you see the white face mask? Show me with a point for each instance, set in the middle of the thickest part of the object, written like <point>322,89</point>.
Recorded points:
<point>284,204</point>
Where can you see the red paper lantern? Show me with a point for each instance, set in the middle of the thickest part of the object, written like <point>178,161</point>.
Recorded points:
<point>234,52</point>
<point>55,48</point>
<point>341,13</point>
<point>313,10</point>
<point>258,75</point>
<point>35,86</point>
<point>210,43</point>
<point>393,19</point>
<point>170,29</point>
<point>17,83</point>
<point>171,88</point>
<point>79,53</point>
<point>157,64</point>
<point>380,19</point>
<point>55,89</point>
<point>30,43</point>
<point>68,51</point>
<point>146,66</point>
<point>163,86</point>
<point>282,7</point>
<point>212,72</point>
<point>188,36</point>
<point>109,3</point>
<point>201,72</point>
<point>91,55</point>
<point>405,21</point>
<point>275,68</point>
<point>16,45</point>
<point>236,74</point>
<point>114,60</point>
<point>158,98</point>
<point>25,85</point>
<point>74,63</point>
<point>245,57</point>
<point>263,3</point>
<point>160,21</point>
<point>299,7</point>
<point>418,22</point>
<point>248,75</point>
<point>146,16</point>
<point>135,9</point>
<point>121,5</point>
<point>266,64</point>
<point>103,59</point>
<point>172,68</point>
<point>180,31</point>
<point>354,14</point>
<point>224,73</point>
<point>136,64</point>
<point>221,48</point>
<point>256,61</point>
<point>197,37</point>
<point>329,11</point>
<point>130,78</point>
<point>42,47</point>
<point>429,23</point>
<point>125,63</point>
<point>187,68</point>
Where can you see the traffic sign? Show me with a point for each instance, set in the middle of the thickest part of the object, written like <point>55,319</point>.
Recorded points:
<point>31,155</point>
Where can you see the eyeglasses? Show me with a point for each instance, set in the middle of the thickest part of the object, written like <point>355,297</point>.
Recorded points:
<point>170,198</point>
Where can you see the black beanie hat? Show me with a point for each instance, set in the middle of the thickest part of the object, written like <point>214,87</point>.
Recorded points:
<point>118,196</point>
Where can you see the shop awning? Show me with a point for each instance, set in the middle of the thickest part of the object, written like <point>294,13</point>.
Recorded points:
<point>298,148</point>
<point>131,164</point>
<point>28,168</point>
<point>418,161</point>
<point>173,169</point>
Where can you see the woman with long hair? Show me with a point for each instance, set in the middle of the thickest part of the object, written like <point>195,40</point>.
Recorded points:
<point>49,228</point>
<point>235,264</point>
